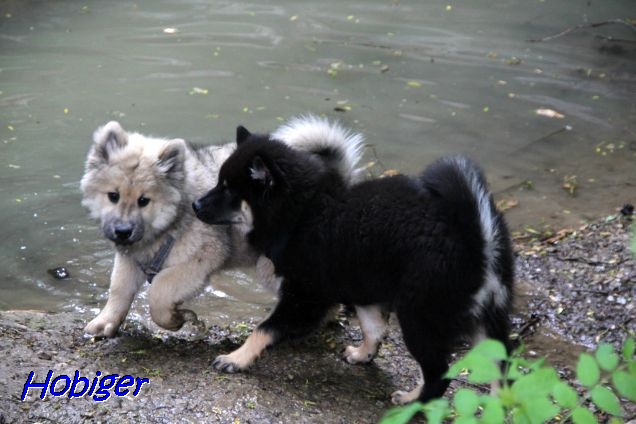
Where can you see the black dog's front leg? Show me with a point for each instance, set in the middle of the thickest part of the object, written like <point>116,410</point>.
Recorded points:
<point>295,315</point>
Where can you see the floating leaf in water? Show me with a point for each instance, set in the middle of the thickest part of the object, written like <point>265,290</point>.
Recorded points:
<point>414,84</point>
<point>449,7</point>
<point>294,18</point>
<point>549,113</point>
<point>570,184</point>
<point>170,30</point>
<point>197,90</point>
<point>66,111</point>
<point>513,61</point>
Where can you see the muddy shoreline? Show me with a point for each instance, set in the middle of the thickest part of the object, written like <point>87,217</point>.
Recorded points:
<point>577,287</point>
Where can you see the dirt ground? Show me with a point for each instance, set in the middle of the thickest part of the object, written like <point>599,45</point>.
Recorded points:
<point>576,287</point>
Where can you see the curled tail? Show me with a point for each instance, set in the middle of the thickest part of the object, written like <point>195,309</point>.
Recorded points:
<point>461,187</point>
<point>338,146</point>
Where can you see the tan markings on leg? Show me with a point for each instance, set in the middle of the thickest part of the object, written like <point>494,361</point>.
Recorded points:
<point>245,355</point>
<point>401,397</point>
<point>478,337</point>
<point>373,325</point>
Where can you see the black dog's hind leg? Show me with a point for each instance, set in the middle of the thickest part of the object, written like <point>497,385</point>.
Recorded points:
<point>496,325</point>
<point>293,317</point>
<point>432,358</point>
<point>429,339</point>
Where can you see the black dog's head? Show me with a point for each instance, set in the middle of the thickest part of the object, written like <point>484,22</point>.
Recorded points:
<point>261,185</point>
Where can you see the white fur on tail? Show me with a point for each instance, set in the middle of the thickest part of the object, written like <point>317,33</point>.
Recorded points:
<point>490,233</point>
<point>313,133</point>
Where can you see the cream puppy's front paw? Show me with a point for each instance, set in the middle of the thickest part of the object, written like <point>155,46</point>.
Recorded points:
<point>104,325</point>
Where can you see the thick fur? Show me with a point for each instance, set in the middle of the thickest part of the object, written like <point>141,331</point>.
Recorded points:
<point>141,189</point>
<point>431,248</point>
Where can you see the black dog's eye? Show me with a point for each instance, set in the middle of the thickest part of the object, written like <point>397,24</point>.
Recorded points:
<point>224,183</point>
<point>113,196</point>
<point>143,201</point>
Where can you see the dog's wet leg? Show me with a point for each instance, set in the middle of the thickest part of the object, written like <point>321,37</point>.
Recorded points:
<point>373,322</point>
<point>293,317</point>
<point>430,348</point>
<point>126,279</point>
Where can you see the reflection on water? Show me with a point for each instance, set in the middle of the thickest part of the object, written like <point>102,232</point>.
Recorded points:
<point>419,79</point>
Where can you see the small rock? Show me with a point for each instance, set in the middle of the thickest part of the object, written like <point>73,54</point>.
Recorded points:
<point>59,273</point>
<point>44,355</point>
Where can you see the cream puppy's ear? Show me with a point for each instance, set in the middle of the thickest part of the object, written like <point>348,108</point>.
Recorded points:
<point>171,158</point>
<point>106,140</point>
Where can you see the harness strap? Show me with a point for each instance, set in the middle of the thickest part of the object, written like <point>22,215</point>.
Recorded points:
<point>157,261</point>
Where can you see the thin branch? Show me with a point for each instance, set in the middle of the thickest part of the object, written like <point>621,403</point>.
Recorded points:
<point>581,26</point>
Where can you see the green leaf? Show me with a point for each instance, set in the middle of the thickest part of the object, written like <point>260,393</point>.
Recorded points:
<point>540,410</point>
<point>565,395</point>
<point>492,349</point>
<point>436,410</point>
<point>486,373</point>
<point>536,410</point>
<point>606,400</point>
<point>536,384</point>
<point>401,414</point>
<point>493,412</point>
<point>466,402</point>
<point>482,369</point>
<point>583,415</point>
<point>587,371</point>
<point>630,345</point>
<point>606,357</point>
<point>625,384</point>
<point>466,419</point>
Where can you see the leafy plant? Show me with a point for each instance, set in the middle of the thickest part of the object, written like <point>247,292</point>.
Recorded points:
<point>532,391</point>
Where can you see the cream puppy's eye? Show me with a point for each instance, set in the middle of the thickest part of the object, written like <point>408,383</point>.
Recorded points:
<point>113,196</point>
<point>143,201</point>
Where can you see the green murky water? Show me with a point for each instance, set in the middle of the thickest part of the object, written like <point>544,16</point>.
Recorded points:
<point>420,79</point>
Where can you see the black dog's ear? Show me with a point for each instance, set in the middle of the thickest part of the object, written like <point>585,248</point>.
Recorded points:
<point>261,173</point>
<point>241,134</point>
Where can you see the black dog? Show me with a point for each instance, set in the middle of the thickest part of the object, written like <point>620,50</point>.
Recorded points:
<point>432,248</point>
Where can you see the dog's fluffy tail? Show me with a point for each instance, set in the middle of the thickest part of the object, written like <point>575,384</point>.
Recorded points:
<point>338,146</point>
<point>461,186</point>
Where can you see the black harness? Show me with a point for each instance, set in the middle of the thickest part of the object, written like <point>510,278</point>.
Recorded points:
<point>157,261</point>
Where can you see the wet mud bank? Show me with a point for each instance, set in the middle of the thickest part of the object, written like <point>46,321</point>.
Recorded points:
<point>577,287</point>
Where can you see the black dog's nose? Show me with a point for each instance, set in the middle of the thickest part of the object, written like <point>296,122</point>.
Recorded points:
<point>196,206</point>
<point>123,231</point>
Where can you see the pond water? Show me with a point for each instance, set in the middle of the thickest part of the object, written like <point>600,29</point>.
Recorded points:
<point>420,79</point>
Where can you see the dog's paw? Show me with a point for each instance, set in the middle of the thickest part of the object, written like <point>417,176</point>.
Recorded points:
<point>102,326</point>
<point>358,355</point>
<point>225,363</point>
<point>172,318</point>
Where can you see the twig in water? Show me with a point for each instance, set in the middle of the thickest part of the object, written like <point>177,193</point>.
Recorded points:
<point>580,26</point>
